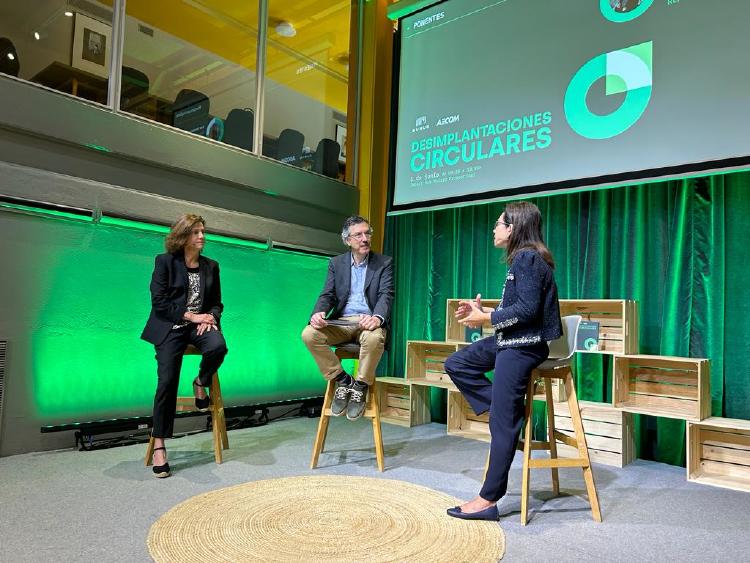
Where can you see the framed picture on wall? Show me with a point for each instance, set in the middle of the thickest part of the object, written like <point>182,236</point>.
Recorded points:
<point>341,140</point>
<point>92,41</point>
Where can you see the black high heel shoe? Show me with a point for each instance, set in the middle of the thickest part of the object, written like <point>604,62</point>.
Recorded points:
<point>201,404</point>
<point>161,471</point>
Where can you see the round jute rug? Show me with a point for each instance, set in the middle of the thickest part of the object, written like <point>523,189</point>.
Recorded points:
<point>322,518</point>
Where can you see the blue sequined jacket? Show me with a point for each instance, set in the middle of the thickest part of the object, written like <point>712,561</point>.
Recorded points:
<point>529,312</point>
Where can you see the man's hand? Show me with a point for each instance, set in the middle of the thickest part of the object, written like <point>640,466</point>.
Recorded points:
<point>369,322</point>
<point>318,320</point>
<point>206,327</point>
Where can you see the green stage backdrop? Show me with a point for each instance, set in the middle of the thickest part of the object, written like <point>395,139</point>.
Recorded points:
<point>681,249</point>
<point>82,292</point>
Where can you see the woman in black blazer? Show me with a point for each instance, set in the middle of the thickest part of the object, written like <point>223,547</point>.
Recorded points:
<point>185,309</point>
<point>528,317</point>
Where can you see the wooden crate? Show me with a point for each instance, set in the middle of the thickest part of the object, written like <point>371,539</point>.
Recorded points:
<point>609,433</point>
<point>663,386</point>
<point>425,361</point>
<point>402,404</point>
<point>617,318</point>
<point>463,422</point>
<point>718,453</point>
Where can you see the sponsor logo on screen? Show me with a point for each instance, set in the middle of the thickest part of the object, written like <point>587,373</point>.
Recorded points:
<point>420,124</point>
<point>448,119</point>
<point>628,71</point>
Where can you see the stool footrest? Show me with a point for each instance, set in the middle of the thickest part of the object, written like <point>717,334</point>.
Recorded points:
<point>558,462</point>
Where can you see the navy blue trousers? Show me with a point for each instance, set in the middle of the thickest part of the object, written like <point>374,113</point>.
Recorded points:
<point>503,397</point>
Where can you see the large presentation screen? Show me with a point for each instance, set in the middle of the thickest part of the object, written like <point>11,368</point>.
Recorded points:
<point>504,97</point>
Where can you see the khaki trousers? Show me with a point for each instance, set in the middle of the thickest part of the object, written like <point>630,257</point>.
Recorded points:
<point>319,342</point>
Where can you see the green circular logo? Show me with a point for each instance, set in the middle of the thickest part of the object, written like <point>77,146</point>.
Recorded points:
<point>626,71</point>
<point>591,344</point>
<point>609,12</point>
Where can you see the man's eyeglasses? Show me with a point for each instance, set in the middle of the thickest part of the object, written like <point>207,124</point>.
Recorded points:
<point>499,222</point>
<point>361,236</point>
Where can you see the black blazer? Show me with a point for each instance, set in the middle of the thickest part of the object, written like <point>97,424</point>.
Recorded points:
<point>529,311</point>
<point>169,289</point>
<point>378,286</point>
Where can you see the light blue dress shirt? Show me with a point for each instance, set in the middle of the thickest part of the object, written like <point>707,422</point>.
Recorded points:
<point>357,304</point>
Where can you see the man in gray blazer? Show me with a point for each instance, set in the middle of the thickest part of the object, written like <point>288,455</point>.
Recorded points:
<point>354,306</point>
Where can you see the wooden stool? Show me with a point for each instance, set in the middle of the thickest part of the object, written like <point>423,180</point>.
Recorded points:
<point>557,367</point>
<point>215,409</point>
<point>372,411</point>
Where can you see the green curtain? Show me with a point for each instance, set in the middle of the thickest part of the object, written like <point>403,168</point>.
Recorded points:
<point>680,249</point>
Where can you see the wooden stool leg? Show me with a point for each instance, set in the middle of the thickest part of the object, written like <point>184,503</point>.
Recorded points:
<point>376,430</point>
<point>583,451</point>
<point>551,435</point>
<point>150,451</point>
<point>221,417</point>
<point>320,437</point>
<point>526,471</point>
<point>216,431</point>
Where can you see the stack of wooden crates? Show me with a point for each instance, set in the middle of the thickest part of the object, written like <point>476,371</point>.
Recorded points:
<point>718,449</point>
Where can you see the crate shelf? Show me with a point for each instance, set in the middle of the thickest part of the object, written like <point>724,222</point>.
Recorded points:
<point>666,386</point>
<point>609,432</point>
<point>463,422</point>
<point>425,361</point>
<point>402,404</point>
<point>718,453</point>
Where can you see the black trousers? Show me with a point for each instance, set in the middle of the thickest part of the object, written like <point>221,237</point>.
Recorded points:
<point>169,361</point>
<point>503,397</point>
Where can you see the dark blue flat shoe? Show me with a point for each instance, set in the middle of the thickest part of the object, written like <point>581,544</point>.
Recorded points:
<point>490,513</point>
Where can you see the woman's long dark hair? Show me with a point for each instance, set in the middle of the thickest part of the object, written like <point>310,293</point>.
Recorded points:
<point>527,231</point>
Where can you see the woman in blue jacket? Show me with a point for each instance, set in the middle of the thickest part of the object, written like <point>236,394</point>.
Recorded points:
<point>527,318</point>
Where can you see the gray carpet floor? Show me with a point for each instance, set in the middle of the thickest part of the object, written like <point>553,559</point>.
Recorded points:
<point>71,506</point>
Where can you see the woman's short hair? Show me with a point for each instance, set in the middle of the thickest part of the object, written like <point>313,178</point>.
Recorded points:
<point>180,232</point>
<point>527,230</point>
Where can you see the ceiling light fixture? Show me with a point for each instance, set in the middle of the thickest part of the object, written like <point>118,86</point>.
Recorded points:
<point>285,29</point>
<point>69,14</point>
<point>37,36</point>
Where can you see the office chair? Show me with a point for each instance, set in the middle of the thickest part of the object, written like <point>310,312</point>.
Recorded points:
<point>238,128</point>
<point>290,145</point>
<point>134,87</point>
<point>190,111</point>
<point>326,158</point>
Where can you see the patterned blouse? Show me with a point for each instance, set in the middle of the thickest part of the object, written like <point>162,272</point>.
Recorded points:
<point>194,295</point>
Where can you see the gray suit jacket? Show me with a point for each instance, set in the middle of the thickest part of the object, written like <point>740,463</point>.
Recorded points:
<point>378,286</point>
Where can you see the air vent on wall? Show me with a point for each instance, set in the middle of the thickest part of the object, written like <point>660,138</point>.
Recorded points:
<point>3,348</point>
<point>145,30</point>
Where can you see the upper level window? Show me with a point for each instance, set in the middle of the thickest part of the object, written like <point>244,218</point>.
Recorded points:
<point>307,84</point>
<point>59,44</point>
<point>192,65</point>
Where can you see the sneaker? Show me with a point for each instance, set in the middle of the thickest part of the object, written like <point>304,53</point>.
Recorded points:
<point>340,398</point>
<point>357,400</point>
